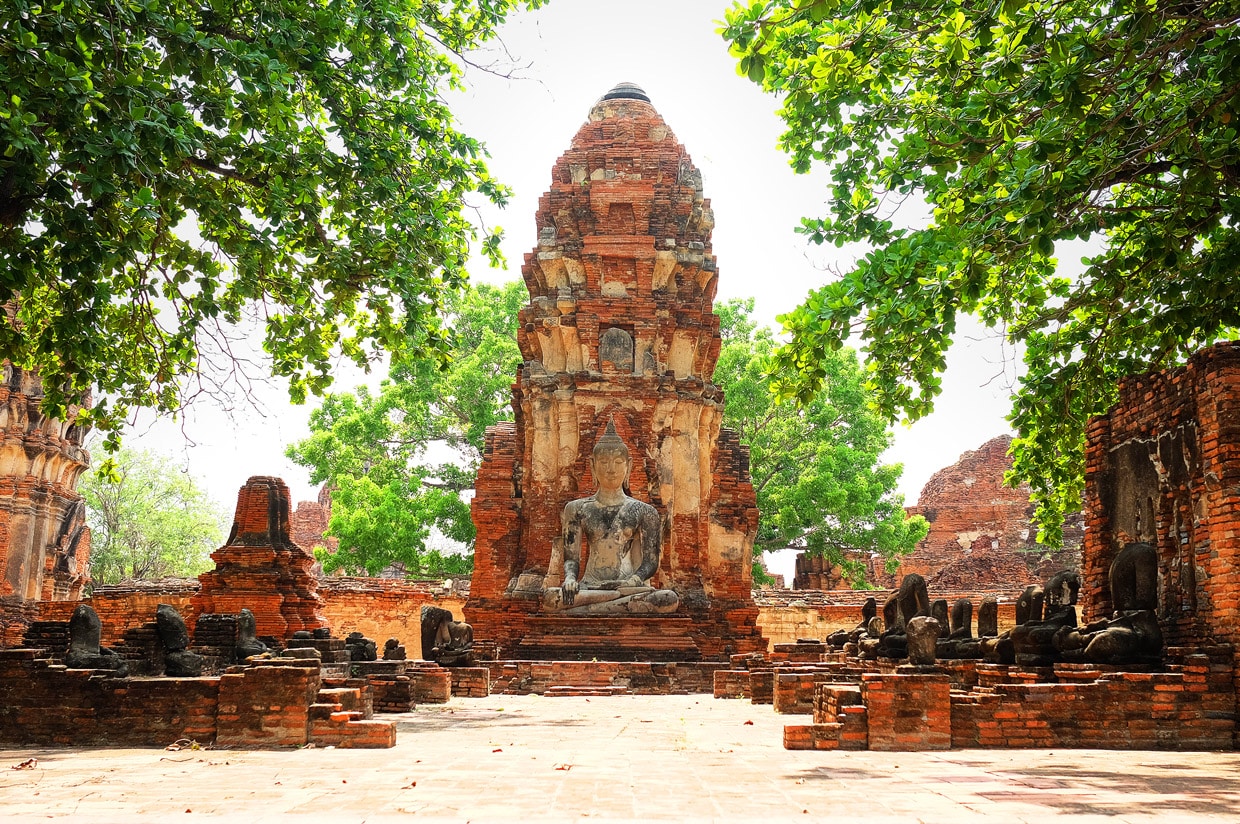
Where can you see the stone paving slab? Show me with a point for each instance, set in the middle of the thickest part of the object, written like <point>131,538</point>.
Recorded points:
<point>617,758</point>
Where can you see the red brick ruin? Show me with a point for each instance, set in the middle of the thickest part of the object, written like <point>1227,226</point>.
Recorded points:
<point>1164,468</point>
<point>982,536</point>
<point>1162,471</point>
<point>260,568</point>
<point>982,533</point>
<point>619,327</point>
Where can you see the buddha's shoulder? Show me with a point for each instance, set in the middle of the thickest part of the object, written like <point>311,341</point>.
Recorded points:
<point>641,507</point>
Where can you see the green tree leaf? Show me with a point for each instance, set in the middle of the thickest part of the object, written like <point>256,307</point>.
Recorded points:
<point>816,467</point>
<point>170,167</point>
<point>374,449</point>
<point>1021,126</point>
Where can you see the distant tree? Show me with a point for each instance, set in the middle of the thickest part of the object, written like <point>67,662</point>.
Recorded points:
<point>816,467</point>
<point>167,168</point>
<point>1023,124</point>
<point>148,519</point>
<point>376,449</point>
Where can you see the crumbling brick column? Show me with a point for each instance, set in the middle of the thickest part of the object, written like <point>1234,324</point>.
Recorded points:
<point>44,540</point>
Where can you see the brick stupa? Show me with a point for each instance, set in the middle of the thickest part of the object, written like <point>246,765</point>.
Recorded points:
<point>620,326</point>
<point>260,568</point>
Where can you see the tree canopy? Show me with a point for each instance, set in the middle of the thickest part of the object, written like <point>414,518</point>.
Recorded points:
<point>1022,125</point>
<point>148,519</point>
<point>399,459</point>
<point>815,466</point>
<point>170,167</point>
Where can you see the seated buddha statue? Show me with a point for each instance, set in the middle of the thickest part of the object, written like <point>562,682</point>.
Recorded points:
<point>622,538</point>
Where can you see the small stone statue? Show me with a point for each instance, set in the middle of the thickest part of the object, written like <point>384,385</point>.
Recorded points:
<point>869,610</point>
<point>85,632</point>
<point>1029,605</point>
<point>938,611</point>
<point>922,632</point>
<point>623,536</point>
<point>247,637</point>
<point>911,601</point>
<point>988,618</point>
<point>393,650</point>
<point>840,639</point>
<point>1033,640</point>
<point>179,662</point>
<point>360,647</point>
<point>1132,634</point>
<point>447,642</point>
<point>962,620</point>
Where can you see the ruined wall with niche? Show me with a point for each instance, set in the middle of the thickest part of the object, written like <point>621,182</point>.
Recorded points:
<point>44,540</point>
<point>1163,467</point>
<point>620,326</point>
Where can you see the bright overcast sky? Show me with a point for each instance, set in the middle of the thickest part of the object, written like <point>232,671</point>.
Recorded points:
<point>572,52</point>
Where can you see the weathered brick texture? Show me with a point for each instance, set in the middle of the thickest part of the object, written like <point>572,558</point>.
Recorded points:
<point>269,706</point>
<point>310,520</point>
<point>620,326</point>
<point>44,540</point>
<point>981,533</point>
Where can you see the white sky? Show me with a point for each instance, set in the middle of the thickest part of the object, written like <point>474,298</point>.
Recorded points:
<point>574,51</point>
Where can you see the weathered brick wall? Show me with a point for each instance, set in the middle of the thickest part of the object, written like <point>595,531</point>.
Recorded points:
<point>124,606</point>
<point>382,608</point>
<point>908,712</point>
<point>1192,707</point>
<point>270,706</point>
<point>981,535</point>
<point>623,254</point>
<point>1164,467</point>
<point>379,608</point>
<point>266,707</point>
<point>1189,706</point>
<point>642,678</point>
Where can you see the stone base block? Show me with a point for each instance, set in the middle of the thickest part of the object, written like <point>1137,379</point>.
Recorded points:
<point>470,682</point>
<point>608,639</point>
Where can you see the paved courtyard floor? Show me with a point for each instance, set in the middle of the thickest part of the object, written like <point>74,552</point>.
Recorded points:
<point>624,758</point>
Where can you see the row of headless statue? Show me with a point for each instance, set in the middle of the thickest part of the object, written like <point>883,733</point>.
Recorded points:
<point>1046,632</point>
<point>444,640</point>
<point>178,661</point>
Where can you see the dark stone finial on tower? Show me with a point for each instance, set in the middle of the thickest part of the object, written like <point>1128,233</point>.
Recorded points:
<point>626,91</point>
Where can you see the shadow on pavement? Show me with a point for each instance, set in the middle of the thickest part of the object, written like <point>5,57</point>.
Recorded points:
<point>1068,789</point>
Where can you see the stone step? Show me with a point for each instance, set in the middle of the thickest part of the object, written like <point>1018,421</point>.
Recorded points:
<point>564,691</point>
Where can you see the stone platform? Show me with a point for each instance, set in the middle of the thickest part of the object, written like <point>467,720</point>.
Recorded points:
<point>626,638</point>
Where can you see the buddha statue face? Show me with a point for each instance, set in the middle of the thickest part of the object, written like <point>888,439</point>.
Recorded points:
<point>610,467</point>
<point>610,463</point>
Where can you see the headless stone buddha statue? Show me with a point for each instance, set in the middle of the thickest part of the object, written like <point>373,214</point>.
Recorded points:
<point>622,538</point>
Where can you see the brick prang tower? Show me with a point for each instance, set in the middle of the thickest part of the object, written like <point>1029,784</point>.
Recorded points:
<point>620,327</point>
